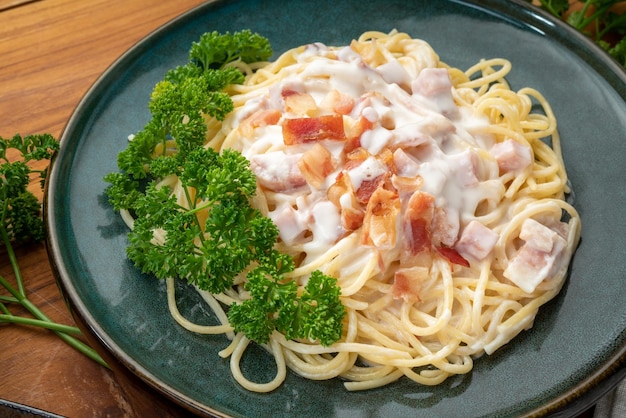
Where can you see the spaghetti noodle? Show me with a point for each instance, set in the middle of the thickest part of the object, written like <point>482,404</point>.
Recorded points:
<point>430,193</point>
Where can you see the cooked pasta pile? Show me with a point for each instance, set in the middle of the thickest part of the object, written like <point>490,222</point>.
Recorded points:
<point>435,196</point>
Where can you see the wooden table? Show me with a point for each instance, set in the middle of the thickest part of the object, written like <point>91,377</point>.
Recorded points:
<point>51,51</point>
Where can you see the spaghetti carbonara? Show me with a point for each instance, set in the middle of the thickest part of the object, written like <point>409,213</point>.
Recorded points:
<point>430,193</point>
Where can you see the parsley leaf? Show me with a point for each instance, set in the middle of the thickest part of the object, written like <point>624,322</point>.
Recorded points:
<point>21,223</point>
<point>208,233</point>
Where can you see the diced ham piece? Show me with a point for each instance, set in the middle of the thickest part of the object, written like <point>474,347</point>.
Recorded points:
<point>537,235</point>
<point>538,258</point>
<point>476,241</point>
<point>511,155</point>
<point>305,130</point>
<point>379,223</point>
<point>393,72</point>
<point>406,178</point>
<point>326,223</point>
<point>431,127</point>
<point>316,164</point>
<point>277,171</point>
<point>406,165</point>
<point>417,222</point>
<point>407,283</point>
<point>530,266</point>
<point>466,170</point>
<point>435,84</point>
<point>288,224</point>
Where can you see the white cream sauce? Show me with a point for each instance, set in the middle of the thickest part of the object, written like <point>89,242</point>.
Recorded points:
<point>439,142</point>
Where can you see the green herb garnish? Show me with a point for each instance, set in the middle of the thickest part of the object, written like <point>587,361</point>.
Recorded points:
<point>170,239</point>
<point>21,223</point>
<point>596,20</point>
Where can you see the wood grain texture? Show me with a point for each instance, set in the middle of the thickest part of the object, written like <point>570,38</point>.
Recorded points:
<point>51,52</point>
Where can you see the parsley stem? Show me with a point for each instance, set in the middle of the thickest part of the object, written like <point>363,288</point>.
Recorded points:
<point>8,299</point>
<point>67,329</point>
<point>12,257</point>
<point>41,319</point>
<point>193,209</point>
<point>197,209</point>
<point>4,309</point>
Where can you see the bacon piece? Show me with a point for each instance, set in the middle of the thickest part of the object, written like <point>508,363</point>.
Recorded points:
<point>351,144</point>
<point>407,283</point>
<point>379,223</point>
<point>417,222</point>
<point>305,130</point>
<point>406,185</point>
<point>453,256</point>
<point>302,104</point>
<point>260,118</point>
<point>368,187</point>
<point>511,155</point>
<point>277,171</point>
<point>367,176</point>
<point>355,158</point>
<point>341,194</point>
<point>316,164</point>
<point>353,130</point>
<point>337,102</point>
<point>445,226</point>
<point>476,241</point>
<point>351,218</point>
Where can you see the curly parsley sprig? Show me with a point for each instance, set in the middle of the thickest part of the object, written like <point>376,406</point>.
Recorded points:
<point>21,223</point>
<point>214,235</point>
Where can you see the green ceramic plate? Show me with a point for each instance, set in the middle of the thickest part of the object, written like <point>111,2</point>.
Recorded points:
<point>575,350</point>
